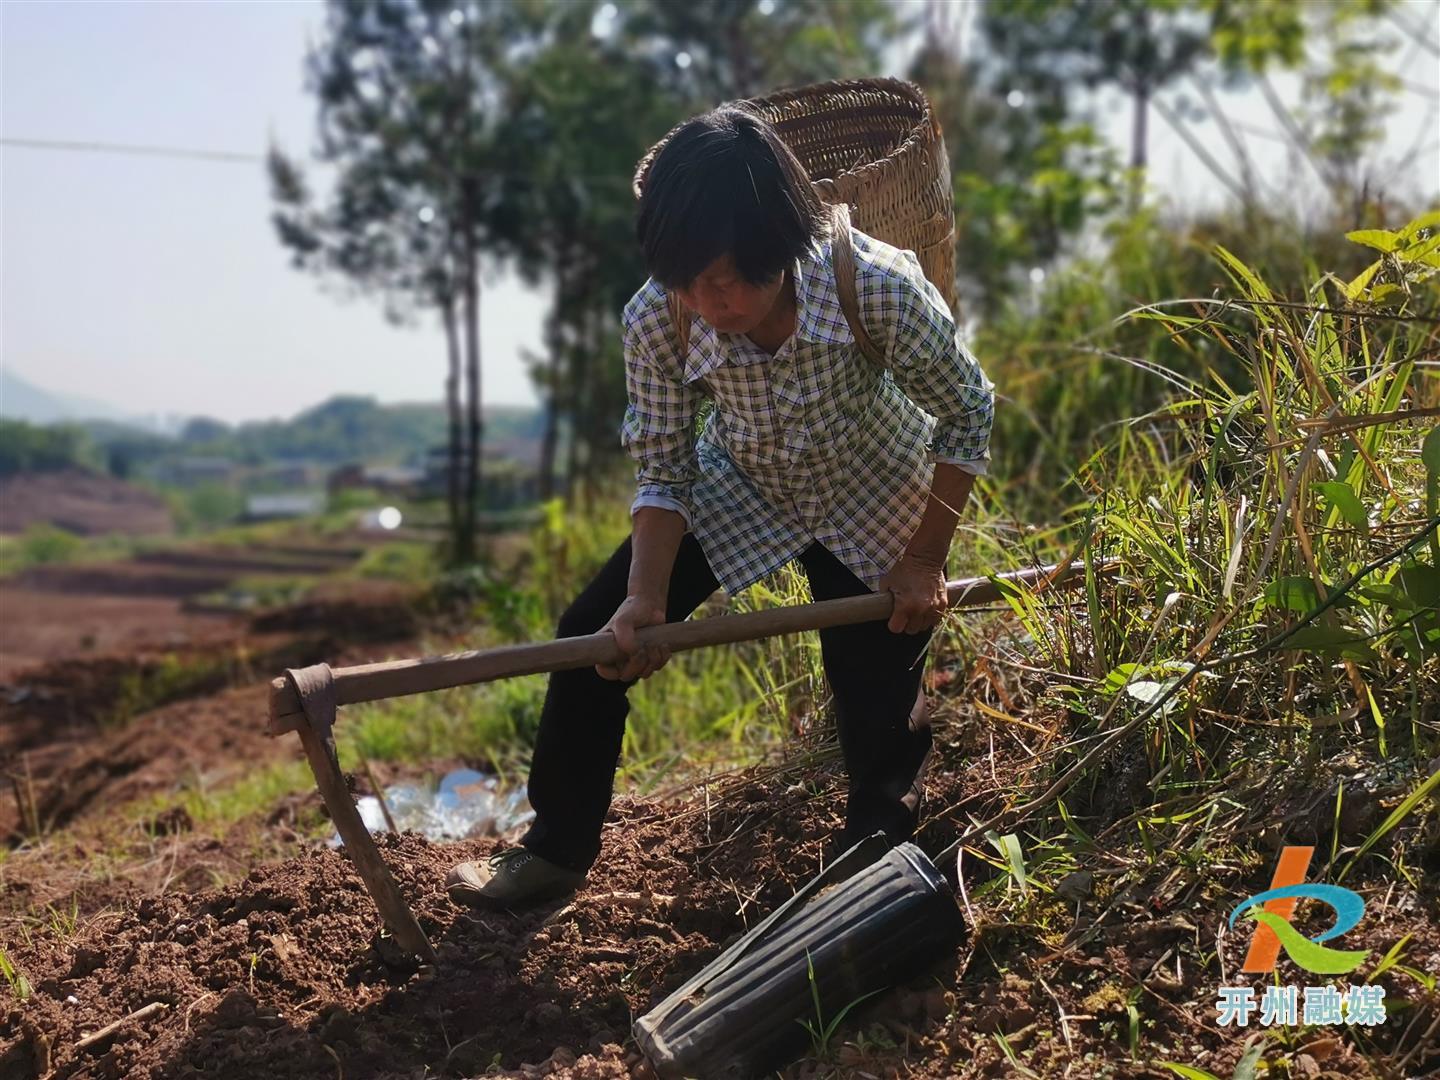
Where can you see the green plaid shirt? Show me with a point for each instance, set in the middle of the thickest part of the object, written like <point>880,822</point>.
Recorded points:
<point>814,443</point>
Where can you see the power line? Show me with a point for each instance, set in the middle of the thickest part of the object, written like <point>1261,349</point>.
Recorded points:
<point>231,157</point>
<point>228,156</point>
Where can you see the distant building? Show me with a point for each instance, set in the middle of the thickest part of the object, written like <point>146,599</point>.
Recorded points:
<point>399,480</point>
<point>194,471</point>
<point>282,507</point>
<point>287,474</point>
<point>504,482</point>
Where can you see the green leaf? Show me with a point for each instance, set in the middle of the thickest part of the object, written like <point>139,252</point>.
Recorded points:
<point>1388,593</point>
<point>1427,981</point>
<point>1422,250</point>
<point>1189,1072</point>
<point>1009,846</point>
<point>1361,280</point>
<point>1342,497</point>
<point>1257,287</point>
<point>1330,640</point>
<point>1118,677</point>
<point>1379,239</point>
<point>1430,455</point>
<point>840,1016</point>
<point>1390,959</point>
<point>1249,1060</point>
<point>1420,583</point>
<point>1396,816</point>
<point>1430,451</point>
<point>1293,592</point>
<point>1178,320</point>
<point>1072,825</point>
<point>1428,220</point>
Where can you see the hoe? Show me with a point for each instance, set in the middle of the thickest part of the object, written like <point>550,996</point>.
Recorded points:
<point>858,943</point>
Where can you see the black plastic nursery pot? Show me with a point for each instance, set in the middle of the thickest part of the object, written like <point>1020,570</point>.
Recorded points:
<point>875,918</point>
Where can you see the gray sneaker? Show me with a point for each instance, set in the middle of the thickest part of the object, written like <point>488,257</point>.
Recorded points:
<point>512,878</point>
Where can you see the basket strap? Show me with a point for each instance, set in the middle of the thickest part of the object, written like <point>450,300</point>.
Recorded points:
<point>680,322</point>
<point>842,256</point>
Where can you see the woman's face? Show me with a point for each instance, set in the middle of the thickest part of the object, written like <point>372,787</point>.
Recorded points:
<point>728,302</point>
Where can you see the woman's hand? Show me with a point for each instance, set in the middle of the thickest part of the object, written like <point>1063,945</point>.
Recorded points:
<point>920,595</point>
<point>636,612</point>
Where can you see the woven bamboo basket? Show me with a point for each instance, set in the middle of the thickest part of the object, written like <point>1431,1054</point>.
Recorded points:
<point>875,145</point>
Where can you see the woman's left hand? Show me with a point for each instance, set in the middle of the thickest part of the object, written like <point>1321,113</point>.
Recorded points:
<point>920,595</point>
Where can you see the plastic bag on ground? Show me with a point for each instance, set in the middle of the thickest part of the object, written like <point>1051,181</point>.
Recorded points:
<point>465,804</point>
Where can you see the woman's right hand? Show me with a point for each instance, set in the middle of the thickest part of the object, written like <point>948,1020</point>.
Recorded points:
<point>636,612</point>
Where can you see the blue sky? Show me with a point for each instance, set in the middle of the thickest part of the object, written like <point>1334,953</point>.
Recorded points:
<point>156,284</point>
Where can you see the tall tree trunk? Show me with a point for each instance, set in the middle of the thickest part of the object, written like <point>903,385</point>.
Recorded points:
<point>548,441</point>
<point>1138,127</point>
<point>592,407</point>
<point>579,358</point>
<point>1141,101</point>
<point>598,416</point>
<point>555,343</point>
<point>456,455</point>
<point>475,432</point>
<point>740,53</point>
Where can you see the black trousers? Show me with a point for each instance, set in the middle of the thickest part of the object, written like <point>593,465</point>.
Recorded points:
<point>874,675</point>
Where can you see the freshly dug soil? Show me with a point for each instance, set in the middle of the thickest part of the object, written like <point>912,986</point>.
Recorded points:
<point>285,975</point>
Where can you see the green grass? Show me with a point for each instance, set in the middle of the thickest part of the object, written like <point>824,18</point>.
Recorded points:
<point>14,978</point>
<point>42,545</point>
<point>695,702</point>
<point>408,561</point>
<point>152,683</point>
<point>482,724</point>
<point>260,591</point>
<point>214,807</point>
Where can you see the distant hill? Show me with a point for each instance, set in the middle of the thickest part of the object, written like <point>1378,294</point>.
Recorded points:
<point>21,400</point>
<point>341,431</point>
<point>350,429</point>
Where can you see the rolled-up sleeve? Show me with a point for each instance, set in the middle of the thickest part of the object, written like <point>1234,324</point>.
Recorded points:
<point>937,371</point>
<point>659,426</point>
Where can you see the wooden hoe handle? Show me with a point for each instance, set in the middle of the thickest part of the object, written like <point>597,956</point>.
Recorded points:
<point>396,678</point>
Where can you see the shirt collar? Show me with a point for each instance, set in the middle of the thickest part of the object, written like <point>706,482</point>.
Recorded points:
<point>818,318</point>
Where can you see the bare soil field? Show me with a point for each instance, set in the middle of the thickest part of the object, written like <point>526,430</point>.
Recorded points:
<point>90,504</point>
<point>114,686</point>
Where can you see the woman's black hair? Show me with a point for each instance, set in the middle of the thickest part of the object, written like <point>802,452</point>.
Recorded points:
<point>725,182</point>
